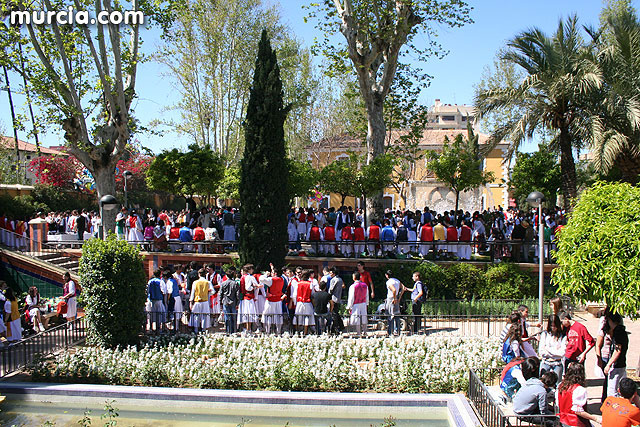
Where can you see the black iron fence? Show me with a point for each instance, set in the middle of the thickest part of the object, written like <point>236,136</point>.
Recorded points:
<point>377,324</point>
<point>19,354</point>
<point>497,414</point>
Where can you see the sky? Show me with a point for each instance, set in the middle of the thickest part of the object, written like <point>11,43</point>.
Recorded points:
<point>471,49</point>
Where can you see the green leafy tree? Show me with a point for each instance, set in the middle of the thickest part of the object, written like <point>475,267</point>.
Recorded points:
<point>264,176</point>
<point>378,33</point>
<point>538,171</point>
<point>197,171</point>
<point>229,187</point>
<point>83,78</point>
<point>338,177</point>
<point>560,77</point>
<point>113,290</point>
<point>598,254</point>
<point>302,178</point>
<point>459,165</point>
<point>373,177</point>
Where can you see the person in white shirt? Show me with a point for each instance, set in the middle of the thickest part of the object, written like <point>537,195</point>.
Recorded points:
<point>552,347</point>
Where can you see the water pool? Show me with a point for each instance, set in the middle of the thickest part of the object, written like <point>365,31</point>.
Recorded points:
<point>64,404</point>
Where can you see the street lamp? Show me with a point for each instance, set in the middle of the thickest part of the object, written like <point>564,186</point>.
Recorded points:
<point>107,203</point>
<point>126,175</point>
<point>535,199</point>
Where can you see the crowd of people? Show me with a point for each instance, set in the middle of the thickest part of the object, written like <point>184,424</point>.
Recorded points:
<point>273,301</point>
<point>552,381</point>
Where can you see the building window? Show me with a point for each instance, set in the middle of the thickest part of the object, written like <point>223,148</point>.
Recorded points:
<point>464,118</point>
<point>28,157</point>
<point>387,202</point>
<point>449,118</point>
<point>325,202</point>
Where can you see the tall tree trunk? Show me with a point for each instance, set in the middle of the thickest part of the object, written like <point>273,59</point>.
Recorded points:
<point>28,95</point>
<point>13,119</point>
<point>376,133</point>
<point>567,169</point>
<point>106,184</point>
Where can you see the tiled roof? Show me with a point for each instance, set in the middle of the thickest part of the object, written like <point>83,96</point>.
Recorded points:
<point>9,142</point>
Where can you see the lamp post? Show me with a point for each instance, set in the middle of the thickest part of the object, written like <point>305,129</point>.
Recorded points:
<point>107,203</point>
<point>126,174</point>
<point>535,199</point>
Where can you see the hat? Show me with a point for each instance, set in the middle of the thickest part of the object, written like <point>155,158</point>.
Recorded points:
<point>525,224</point>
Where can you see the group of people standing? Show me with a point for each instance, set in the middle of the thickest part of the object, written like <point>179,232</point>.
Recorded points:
<point>552,381</point>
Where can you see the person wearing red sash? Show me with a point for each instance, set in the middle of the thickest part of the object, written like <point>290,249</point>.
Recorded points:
<point>247,309</point>
<point>373,236</point>
<point>426,235</point>
<point>346,235</point>
<point>302,223</point>
<point>304,307</point>
<point>314,236</point>
<point>452,236</point>
<point>329,235</point>
<point>358,236</point>
<point>135,228</point>
<point>571,398</point>
<point>272,313</point>
<point>357,304</point>
<point>464,251</point>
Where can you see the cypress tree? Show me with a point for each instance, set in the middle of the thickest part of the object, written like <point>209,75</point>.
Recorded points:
<point>264,194</point>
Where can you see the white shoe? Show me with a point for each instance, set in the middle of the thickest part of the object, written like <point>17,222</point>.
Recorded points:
<point>41,328</point>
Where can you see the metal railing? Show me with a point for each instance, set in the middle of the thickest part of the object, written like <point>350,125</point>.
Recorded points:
<point>17,355</point>
<point>372,324</point>
<point>435,250</point>
<point>489,409</point>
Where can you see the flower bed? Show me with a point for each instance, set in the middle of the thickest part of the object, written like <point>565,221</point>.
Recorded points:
<point>434,364</point>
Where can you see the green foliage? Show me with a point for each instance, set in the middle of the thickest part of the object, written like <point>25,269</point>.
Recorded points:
<point>481,307</point>
<point>197,171</point>
<point>229,187</point>
<point>21,207</point>
<point>459,165</point>
<point>113,289</point>
<point>507,281</point>
<point>598,253</point>
<point>264,176</point>
<point>466,282</point>
<point>302,178</point>
<point>538,171</point>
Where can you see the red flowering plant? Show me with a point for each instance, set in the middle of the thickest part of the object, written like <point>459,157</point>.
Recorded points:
<point>56,171</point>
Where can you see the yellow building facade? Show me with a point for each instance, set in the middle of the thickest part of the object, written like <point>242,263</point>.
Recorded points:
<point>421,187</point>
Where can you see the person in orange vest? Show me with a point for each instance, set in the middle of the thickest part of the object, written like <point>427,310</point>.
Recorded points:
<point>304,308</point>
<point>464,234</point>
<point>358,236</point>
<point>346,236</point>
<point>426,235</point>
<point>571,398</point>
<point>452,236</point>
<point>373,237</point>
<point>315,236</point>
<point>329,235</point>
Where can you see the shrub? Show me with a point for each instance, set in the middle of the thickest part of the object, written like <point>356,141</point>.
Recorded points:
<point>433,277</point>
<point>465,279</point>
<point>598,253</point>
<point>113,281</point>
<point>507,281</point>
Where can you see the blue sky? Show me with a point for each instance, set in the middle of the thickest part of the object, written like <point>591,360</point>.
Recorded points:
<point>471,48</point>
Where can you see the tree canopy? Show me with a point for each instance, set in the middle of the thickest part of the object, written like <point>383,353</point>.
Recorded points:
<point>537,171</point>
<point>598,253</point>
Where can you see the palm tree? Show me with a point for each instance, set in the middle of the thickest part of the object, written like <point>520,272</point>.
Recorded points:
<point>616,111</point>
<point>560,76</point>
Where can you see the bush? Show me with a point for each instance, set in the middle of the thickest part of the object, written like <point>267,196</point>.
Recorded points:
<point>113,290</point>
<point>465,280</point>
<point>598,253</point>
<point>507,281</point>
<point>433,277</point>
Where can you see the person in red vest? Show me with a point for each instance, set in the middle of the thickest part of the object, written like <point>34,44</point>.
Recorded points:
<point>426,235</point>
<point>358,236</point>
<point>304,308</point>
<point>346,235</point>
<point>247,307</point>
<point>315,236</point>
<point>329,235</point>
<point>571,398</point>
<point>357,303</point>
<point>464,251</point>
<point>272,314</point>
<point>373,236</point>
<point>198,236</point>
<point>452,236</point>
